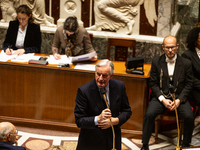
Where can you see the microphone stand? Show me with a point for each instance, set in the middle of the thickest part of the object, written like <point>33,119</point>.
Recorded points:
<point>171,88</point>
<point>102,90</point>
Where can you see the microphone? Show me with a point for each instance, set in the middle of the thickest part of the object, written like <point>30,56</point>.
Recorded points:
<point>103,93</point>
<point>171,90</point>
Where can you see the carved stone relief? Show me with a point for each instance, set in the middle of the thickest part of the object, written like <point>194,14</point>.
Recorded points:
<point>117,14</point>
<point>9,7</point>
<point>69,8</point>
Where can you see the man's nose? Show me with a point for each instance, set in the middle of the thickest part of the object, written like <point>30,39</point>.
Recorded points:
<point>101,77</point>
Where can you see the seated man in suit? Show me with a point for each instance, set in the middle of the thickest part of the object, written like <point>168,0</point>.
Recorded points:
<point>8,137</point>
<point>193,54</point>
<point>92,114</point>
<point>168,70</point>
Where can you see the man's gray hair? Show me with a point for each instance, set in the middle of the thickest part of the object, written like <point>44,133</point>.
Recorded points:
<point>4,131</point>
<point>105,62</point>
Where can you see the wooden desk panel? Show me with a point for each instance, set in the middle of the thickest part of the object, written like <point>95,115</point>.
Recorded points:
<point>46,94</point>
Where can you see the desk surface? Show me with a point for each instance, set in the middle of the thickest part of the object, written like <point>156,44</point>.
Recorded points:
<point>35,94</point>
<point>119,67</point>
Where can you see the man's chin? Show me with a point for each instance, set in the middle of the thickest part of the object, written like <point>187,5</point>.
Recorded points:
<point>101,85</point>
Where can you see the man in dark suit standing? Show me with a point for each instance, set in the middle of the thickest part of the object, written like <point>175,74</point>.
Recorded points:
<point>168,70</point>
<point>92,115</point>
<point>8,137</point>
<point>193,54</point>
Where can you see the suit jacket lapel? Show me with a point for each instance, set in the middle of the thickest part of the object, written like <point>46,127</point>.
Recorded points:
<point>196,57</point>
<point>112,94</point>
<point>163,65</point>
<point>177,70</point>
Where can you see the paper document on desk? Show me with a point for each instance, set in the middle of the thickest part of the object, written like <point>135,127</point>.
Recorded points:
<point>35,57</point>
<point>23,57</point>
<point>84,57</point>
<point>85,67</point>
<point>4,57</point>
<point>64,60</point>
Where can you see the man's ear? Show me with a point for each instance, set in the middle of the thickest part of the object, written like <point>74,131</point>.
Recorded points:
<point>163,47</point>
<point>8,137</point>
<point>111,76</point>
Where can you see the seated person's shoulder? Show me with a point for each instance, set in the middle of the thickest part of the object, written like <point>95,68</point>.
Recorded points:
<point>14,22</point>
<point>82,29</point>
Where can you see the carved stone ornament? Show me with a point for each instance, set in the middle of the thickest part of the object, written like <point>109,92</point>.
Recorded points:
<point>70,6</point>
<point>113,14</point>
<point>9,7</point>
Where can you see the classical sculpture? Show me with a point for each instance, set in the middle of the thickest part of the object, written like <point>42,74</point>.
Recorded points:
<point>8,8</point>
<point>112,15</point>
<point>38,10</point>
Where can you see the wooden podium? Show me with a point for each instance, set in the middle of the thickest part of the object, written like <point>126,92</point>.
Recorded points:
<point>44,96</point>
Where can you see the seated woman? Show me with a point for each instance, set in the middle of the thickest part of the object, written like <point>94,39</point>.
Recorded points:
<point>23,35</point>
<point>72,40</point>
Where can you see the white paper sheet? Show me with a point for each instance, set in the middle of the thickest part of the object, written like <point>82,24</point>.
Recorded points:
<point>63,60</point>
<point>84,57</point>
<point>23,57</point>
<point>4,57</point>
<point>85,67</point>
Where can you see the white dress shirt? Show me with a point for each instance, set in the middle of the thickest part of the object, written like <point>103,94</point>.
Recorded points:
<point>198,52</point>
<point>20,37</point>
<point>170,67</point>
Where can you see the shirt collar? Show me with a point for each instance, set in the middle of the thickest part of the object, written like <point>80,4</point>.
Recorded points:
<point>107,87</point>
<point>173,60</point>
<point>197,50</point>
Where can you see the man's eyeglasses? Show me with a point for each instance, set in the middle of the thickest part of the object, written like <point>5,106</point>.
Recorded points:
<point>16,132</point>
<point>103,75</point>
<point>172,47</point>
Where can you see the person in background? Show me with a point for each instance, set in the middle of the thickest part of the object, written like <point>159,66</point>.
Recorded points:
<point>193,54</point>
<point>92,115</point>
<point>169,70</point>
<point>72,40</point>
<point>22,35</point>
<point>8,137</point>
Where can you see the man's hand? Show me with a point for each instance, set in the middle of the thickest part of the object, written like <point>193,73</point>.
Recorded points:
<point>168,103</point>
<point>177,101</point>
<point>105,114</point>
<point>104,124</point>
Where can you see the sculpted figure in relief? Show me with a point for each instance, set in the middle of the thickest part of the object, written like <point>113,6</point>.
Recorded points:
<point>113,14</point>
<point>8,8</point>
<point>38,10</point>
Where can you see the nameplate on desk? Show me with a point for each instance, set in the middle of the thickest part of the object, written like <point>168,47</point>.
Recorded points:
<point>38,62</point>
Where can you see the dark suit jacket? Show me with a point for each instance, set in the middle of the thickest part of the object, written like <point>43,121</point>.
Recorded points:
<point>32,41</point>
<point>6,146</point>
<point>89,104</point>
<point>182,78</point>
<point>193,57</point>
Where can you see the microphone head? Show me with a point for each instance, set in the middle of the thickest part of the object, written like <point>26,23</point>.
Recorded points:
<point>102,90</point>
<point>171,88</point>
